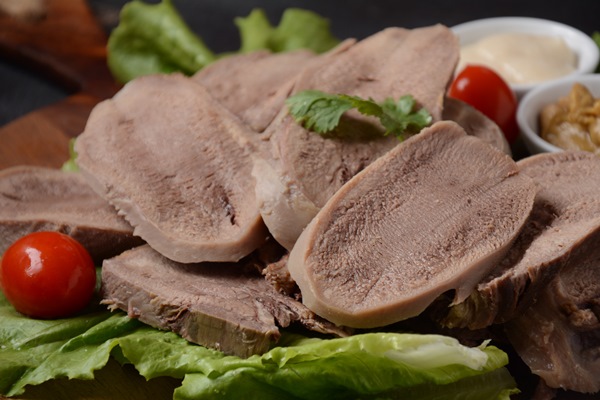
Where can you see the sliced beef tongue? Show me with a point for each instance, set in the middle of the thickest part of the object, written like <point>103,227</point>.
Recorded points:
<point>566,213</point>
<point>178,166</point>
<point>559,336</point>
<point>225,306</point>
<point>254,85</point>
<point>475,123</point>
<point>434,214</point>
<point>306,168</point>
<point>36,199</point>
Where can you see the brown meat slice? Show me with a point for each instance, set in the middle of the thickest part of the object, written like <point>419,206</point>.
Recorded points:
<point>254,85</point>
<point>566,212</point>
<point>475,123</point>
<point>178,166</point>
<point>432,215</point>
<point>559,336</point>
<point>36,199</point>
<point>225,306</point>
<point>306,169</point>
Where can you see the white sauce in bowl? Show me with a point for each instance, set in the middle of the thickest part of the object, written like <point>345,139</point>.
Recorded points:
<point>521,58</point>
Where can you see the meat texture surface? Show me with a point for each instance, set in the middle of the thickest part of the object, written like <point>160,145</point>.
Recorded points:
<point>475,123</point>
<point>416,223</point>
<point>178,168</point>
<point>34,199</point>
<point>254,85</point>
<point>306,169</point>
<point>559,336</point>
<point>566,213</point>
<point>224,306</point>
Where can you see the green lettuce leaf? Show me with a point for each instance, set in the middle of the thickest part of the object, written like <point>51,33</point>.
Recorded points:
<point>298,29</point>
<point>71,164</point>
<point>33,351</point>
<point>376,365</point>
<point>153,38</point>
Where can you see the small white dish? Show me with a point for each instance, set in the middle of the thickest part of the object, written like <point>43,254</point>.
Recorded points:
<point>531,104</point>
<point>582,45</point>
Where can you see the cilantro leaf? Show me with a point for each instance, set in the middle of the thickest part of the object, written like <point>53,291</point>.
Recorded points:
<point>321,112</point>
<point>318,111</point>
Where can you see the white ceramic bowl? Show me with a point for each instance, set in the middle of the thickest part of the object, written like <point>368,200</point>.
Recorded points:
<point>582,45</point>
<point>532,103</point>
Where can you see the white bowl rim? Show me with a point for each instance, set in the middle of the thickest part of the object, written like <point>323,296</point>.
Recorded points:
<point>562,87</point>
<point>587,51</point>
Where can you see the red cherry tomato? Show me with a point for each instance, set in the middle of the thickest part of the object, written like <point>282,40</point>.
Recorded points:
<point>47,275</point>
<point>486,91</point>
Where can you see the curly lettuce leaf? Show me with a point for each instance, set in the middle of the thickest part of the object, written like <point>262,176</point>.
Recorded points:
<point>153,38</point>
<point>363,366</point>
<point>297,29</point>
<point>382,365</point>
<point>33,351</point>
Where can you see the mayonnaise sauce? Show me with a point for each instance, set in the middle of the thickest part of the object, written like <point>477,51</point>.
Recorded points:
<point>521,58</point>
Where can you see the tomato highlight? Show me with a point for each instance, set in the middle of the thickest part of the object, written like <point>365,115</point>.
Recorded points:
<point>486,91</point>
<point>47,275</point>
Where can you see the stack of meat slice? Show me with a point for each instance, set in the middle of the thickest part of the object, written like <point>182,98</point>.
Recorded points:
<point>304,170</point>
<point>559,335</point>
<point>206,170</point>
<point>435,214</point>
<point>195,165</point>
<point>546,290</point>
<point>254,85</point>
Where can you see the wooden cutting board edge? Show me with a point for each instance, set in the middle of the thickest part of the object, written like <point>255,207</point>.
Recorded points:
<point>67,47</point>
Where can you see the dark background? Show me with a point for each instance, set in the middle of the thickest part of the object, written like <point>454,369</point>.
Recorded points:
<point>21,91</point>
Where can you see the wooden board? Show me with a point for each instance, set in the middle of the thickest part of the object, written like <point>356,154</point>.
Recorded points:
<point>67,46</point>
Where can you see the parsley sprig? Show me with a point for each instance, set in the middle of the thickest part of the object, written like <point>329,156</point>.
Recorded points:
<point>321,112</point>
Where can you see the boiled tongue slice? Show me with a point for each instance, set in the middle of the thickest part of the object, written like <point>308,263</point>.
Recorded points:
<point>565,216</point>
<point>305,169</point>
<point>178,166</point>
<point>434,214</point>
<point>36,199</point>
<point>225,306</point>
<point>254,85</point>
<point>558,336</point>
<point>475,123</point>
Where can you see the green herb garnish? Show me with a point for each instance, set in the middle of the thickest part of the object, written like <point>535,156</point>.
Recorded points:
<point>596,38</point>
<point>321,112</point>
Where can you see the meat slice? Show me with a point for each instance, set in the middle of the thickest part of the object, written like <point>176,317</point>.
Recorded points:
<point>226,306</point>
<point>254,85</point>
<point>36,199</point>
<point>306,168</point>
<point>559,336</point>
<point>475,123</point>
<point>434,214</point>
<point>178,166</point>
<point>566,213</point>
